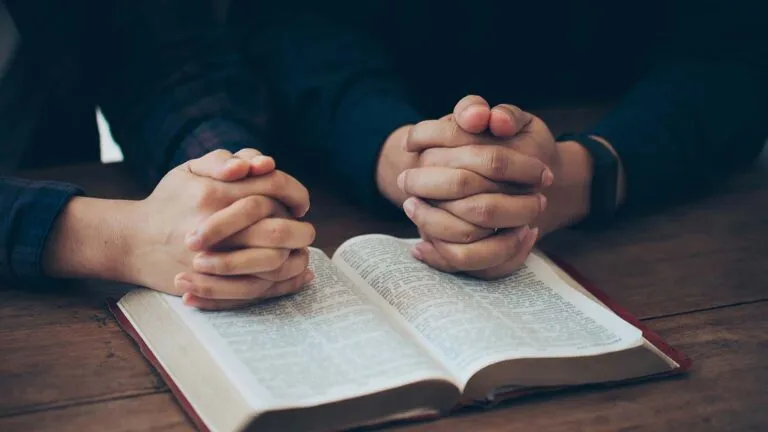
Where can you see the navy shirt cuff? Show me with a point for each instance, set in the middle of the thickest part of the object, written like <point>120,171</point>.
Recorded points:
<point>28,225</point>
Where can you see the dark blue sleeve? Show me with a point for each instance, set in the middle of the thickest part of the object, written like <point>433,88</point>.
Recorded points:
<point>334,94</point>
<point>173,85</point>
<point>29,211</point>
<point>701,114</point>
<point>166,74</point>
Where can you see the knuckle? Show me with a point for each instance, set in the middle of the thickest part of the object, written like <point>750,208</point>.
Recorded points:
<point>220,153</point>
<point>429,157</point>
<point>203,290</point>
<point>209,195</point>
<point>459,258</point>
<point>453,132</point>
<point>483,210</point>
<point>461,182</point>
<point>469,235</point>
<point>223,265</point>
<point>497,162</point>
<point>277,181</point>
<point>253,206</point>
<point>278,232</point>
<point>416,134</point>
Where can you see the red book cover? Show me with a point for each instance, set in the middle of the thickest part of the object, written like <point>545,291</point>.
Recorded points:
<point>123,321</point>
<point>681,359</point>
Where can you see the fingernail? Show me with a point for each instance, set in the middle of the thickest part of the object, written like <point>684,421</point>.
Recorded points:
<point>194,240</point>
<point>416,253</point>
<point>309,277</point>
<point>401,181</point>
<point>233,163</point>
<point>522,233</point>
<point>304,213</point>
<point>204,263</point>
<point>260,159</point>
<point>409,206</point>
<point>542,202</point>
<point>185,298</point>
<point>533,235</point>
<point>184,284</point>
<point>547,177</point>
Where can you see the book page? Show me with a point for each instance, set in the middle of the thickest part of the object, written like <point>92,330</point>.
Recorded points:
<point>323,344</point>
<point>469,324</point>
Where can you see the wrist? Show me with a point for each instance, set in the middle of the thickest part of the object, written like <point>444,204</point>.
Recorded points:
<point>568,197</point>
<point>393,160</point>
<point>91,239</point>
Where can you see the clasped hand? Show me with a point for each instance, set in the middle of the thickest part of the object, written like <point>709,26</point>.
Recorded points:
<point>475,189</point>
<point>221,232</point>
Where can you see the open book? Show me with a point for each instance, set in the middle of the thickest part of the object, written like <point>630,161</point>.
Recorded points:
<point>379,336</point>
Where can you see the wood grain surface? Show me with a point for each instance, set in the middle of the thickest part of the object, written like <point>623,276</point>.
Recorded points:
<point>696,273</point>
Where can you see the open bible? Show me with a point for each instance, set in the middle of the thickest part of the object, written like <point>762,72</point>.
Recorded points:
<point>379,336</point>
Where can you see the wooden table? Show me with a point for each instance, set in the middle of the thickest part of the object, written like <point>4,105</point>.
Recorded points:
<point>696,274</point>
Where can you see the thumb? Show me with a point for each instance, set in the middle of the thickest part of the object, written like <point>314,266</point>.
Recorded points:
<point>472,114</point>
<point>259,164</point>
<point>507,120</point>
<point>219,165</point>
<point>224,166</point>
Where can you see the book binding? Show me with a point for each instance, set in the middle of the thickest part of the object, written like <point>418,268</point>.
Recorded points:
<point>683,361</point>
